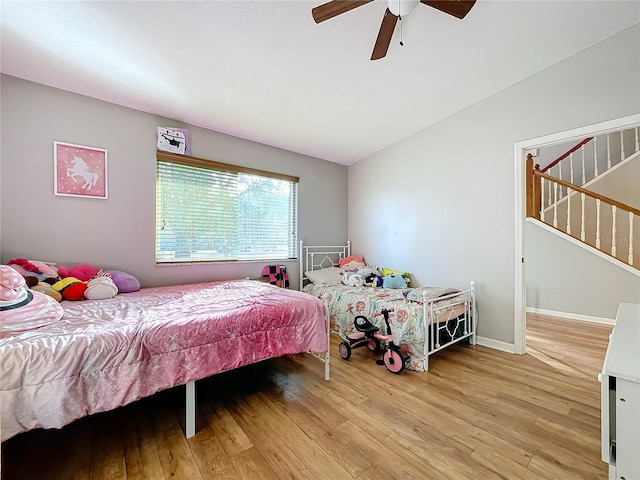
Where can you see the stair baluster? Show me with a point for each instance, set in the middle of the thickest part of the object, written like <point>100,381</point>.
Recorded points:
<point>595,157</point>
<point>571,166</point>
<point>568,211</point>
<point>560,177</point>
<point>584,176</point>
<point>555,205</point>
<point>613,231</point>
<point>597,223</point>
<point>630,238</point>
<point>582,229</point>
<point>608,152</point>
<point>543,207</point>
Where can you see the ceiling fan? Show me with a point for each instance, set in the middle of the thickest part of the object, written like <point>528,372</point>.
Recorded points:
<point>395,9</point>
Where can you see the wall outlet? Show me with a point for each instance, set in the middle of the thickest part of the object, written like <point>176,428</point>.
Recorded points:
<point>532,151</point>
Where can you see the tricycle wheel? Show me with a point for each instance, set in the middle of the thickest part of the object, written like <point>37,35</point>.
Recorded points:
<point>393,360</point>
<point>373,344</point>
<point>344,349</point>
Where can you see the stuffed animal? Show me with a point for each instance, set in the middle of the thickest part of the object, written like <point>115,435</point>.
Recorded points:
<point>34,268</point>
<point>394,281</point>
<point>35,275</point>
<point>352,263</point>
<point>47,289</point>
<point>70,288</point>
<point>101,287</point>
<point>369,273</point>
<point>125,282</point>
<point>352,279</point>
<point>82,272</point>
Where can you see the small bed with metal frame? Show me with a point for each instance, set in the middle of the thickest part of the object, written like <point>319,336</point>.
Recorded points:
<point>424,321</point>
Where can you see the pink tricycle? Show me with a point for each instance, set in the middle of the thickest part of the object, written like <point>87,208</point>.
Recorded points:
<point>368,335</point>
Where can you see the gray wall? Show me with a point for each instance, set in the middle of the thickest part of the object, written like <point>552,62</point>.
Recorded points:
<point>441,203</point>
<point>564,278</point>
<point>119,233</point>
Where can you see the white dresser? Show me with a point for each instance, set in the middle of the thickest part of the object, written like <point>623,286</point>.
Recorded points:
<point>620,379</point>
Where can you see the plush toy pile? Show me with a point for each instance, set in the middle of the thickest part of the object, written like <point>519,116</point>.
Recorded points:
<point>76,283</point>
<point>356,273</point>
<point>22,309</point>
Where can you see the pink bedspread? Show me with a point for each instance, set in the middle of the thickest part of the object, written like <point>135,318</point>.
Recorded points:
<point>107,353</point>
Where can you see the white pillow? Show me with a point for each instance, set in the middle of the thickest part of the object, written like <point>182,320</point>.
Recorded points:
<point>325,276</point>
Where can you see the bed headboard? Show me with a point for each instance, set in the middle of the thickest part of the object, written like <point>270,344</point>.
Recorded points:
<point>315,257</point>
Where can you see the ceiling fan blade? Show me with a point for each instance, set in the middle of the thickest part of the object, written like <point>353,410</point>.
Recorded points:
<point>457,8</point>
<point>384,35</point>
<point>334,8</point>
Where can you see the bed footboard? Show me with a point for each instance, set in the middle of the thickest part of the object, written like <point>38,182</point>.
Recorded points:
<point>326,357</point>
<point>449,319</point>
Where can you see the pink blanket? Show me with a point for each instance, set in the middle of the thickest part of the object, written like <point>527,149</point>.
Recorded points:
<point>106,353</point>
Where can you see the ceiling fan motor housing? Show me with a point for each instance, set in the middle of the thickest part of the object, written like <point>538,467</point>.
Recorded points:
<point>400,8</point>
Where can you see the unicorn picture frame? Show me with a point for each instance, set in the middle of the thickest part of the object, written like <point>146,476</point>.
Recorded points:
<point>79,171</point>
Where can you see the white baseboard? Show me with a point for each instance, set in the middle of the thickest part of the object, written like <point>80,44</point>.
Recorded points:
<point>572,316</point>
<point>496,344</point>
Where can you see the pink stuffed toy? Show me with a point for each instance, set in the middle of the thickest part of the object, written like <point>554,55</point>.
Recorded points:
<point>351,263</point>
<point>34,268</point>
<point>84,273</point>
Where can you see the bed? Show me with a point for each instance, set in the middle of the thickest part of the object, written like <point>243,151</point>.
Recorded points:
<point>106,353</point>
<point>424,320</point>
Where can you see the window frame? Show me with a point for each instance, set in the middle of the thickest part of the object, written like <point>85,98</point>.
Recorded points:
<point>225,167</point>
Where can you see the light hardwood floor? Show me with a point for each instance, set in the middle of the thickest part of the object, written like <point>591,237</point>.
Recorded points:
<point>477,414</point>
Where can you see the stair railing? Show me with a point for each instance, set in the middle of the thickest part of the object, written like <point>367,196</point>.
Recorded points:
<point>588,163</point>
<point>569,154</point>
<point>536,181</point>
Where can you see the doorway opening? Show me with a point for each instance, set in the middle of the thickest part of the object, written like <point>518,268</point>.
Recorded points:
<point>521,150</point>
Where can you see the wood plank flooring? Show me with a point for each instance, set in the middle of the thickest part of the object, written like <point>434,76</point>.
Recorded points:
<point>477,414</point>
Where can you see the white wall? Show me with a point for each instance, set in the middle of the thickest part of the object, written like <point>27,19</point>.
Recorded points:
<point>564,278</point>
<point>441,203</point>
<point>119,233</point>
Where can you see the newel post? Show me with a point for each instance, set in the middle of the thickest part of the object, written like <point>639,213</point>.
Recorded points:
<point>534,193</point>
<point>537,193</point>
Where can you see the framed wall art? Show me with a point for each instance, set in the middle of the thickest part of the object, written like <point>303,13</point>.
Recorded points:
<point>79,171</point>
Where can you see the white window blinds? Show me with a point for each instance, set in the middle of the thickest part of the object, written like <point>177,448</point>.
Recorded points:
<point>209,211</point>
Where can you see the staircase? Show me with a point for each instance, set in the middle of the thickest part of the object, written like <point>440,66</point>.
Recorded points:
<point>592,193</point>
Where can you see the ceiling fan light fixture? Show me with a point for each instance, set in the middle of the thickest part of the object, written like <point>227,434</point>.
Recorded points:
<point>393,13</point>
<point>400,8</point>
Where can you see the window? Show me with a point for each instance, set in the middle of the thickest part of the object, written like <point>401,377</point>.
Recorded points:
<point>209,211</point>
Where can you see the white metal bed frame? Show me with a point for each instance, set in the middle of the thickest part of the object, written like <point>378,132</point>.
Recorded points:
<point>315,257</point>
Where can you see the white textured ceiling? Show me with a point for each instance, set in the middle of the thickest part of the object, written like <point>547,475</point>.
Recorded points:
<point>264,71</point>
